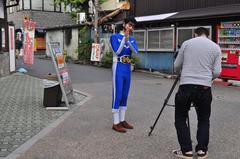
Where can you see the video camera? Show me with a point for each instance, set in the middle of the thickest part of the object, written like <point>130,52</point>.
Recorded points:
<point>176,53</point>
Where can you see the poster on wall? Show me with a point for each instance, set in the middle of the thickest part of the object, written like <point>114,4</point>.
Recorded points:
<point>1,9</point>
<point>28,48</point>
<point>96,52</point>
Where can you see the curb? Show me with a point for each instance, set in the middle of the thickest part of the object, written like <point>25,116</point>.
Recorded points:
<point>156,73</point>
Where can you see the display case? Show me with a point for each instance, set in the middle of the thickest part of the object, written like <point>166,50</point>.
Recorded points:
<point>228,38</point>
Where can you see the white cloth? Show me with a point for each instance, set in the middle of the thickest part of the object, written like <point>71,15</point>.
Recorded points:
<point>116,118</point>
<point>122,113</point>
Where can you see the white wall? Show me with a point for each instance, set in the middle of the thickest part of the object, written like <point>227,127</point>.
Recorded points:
<point>58,36</point>
<point>72,47</point>
<point>54,36</point>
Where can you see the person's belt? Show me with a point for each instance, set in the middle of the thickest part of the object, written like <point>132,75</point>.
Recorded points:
<point>193,86</point>
<point>124,59</point>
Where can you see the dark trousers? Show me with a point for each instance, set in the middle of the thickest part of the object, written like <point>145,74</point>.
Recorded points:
<point>201,96</point>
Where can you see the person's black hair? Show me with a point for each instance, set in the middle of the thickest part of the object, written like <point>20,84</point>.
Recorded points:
<point>201,31</point>
<point>130,19</point>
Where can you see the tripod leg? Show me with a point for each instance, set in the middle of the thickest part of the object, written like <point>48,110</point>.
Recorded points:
<point>164,104</point>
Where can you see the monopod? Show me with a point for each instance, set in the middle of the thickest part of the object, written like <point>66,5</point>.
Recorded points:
<point>166,104</point>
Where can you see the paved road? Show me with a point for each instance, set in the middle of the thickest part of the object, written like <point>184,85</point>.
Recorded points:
<point>87,133</point>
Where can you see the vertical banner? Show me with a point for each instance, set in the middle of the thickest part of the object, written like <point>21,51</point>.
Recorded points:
<point>28,48</point>
<point>96,51</point>
<point>11,31</point>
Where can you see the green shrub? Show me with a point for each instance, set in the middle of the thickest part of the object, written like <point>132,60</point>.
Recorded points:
<point>68,58</point>
<point>85,45</point>
<point>107,60</point>
<point>135,59</point>
<point>84,51</point>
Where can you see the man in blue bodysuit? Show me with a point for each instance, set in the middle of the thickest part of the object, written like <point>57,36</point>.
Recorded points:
<point>122,45</point>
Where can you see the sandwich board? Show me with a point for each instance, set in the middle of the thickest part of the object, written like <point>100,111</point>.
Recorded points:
<point>62,74</point>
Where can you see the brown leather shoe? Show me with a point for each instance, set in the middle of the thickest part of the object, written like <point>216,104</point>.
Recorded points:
<point>126,125</point>
<point>119,128</point>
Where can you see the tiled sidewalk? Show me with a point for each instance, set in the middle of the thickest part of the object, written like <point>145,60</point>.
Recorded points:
<point>22,114</point>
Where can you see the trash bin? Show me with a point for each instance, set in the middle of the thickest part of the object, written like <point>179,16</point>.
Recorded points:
<point>52,93</point>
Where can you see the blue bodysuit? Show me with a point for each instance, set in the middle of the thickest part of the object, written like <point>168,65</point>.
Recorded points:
<point>121,72</point>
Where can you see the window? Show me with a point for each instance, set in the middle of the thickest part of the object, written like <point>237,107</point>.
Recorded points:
<point>57,8</point>
<point>37,5</point>
<point>186,33</point>
<point>49,5</point>
<point>64,8</point>
<point>166,39</point>
<point>13,8</point>
<point>140,37</point>
<point>183,35</point>
<point>153,39</point>
<point>160,39</point>
<point>26,4</point>
<point>68,8</point>
<point>1,9</point>
<point>20,6</point>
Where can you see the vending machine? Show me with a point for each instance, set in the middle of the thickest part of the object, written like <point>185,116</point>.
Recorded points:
<point>228,38</point>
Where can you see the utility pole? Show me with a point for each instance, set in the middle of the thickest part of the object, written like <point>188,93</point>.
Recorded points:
<point>96,21</point>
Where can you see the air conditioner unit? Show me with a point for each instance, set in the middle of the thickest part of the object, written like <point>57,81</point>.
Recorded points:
<point>81,18</point>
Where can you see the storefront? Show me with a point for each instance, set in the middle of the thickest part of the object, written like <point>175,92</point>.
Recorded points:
<point>40,39</point>
<point>4,54</point>
<point>7,41</point>
<point>160,36</point>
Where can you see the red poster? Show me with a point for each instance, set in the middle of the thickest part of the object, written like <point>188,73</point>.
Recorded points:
<point>29,29</point>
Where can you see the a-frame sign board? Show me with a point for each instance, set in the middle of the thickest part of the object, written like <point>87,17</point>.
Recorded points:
<point>62,75</point>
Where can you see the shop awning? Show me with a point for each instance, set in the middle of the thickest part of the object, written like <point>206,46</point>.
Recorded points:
<point>210,12</point>
<point>154,17</point>
<point>200,13</point>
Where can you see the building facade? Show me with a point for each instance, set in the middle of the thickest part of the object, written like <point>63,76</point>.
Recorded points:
<point>164,25</point>
<point>4,54</point>
<point>7,41</point>
<point>45,13</point>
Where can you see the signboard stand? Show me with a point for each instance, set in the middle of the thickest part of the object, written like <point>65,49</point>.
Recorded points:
<point>62,75</point>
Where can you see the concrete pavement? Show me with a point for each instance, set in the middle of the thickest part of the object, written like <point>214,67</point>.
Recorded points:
<point>86,132</point>
<point>22,112</point>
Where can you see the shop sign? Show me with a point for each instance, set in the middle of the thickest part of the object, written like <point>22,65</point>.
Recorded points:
<point>96,51</point>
